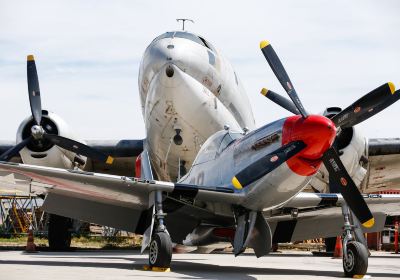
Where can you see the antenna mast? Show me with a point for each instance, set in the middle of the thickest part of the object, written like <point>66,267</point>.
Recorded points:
<point>183,21</point>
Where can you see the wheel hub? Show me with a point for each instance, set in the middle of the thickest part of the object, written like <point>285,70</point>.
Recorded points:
<point>153,252</point>
<point>349,261</point>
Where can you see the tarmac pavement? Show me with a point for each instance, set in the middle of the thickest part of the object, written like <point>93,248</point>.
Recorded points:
<point>102,264</point>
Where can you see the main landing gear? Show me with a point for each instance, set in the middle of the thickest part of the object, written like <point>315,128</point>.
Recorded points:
<point>355,252</point>
<point>160,248</point>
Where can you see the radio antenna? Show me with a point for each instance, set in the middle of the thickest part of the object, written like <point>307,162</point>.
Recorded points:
<point>183,21</point>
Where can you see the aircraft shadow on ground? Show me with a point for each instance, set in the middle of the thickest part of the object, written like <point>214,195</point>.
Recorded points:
<point>190,269</point>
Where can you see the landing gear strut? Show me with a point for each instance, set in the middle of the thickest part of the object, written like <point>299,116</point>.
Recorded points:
<point>160,252</point>
<point>355,252</point>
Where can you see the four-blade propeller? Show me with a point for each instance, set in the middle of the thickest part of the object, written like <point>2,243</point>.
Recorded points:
<point>359,111</point>
<point>38,134</point>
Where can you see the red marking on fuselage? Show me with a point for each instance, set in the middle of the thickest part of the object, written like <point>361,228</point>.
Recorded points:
<point>138,166</point>
<point>317,132</point>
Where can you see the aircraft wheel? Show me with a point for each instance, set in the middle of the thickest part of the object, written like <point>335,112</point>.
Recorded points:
<point>357,260</point>
<point>59,233</point>
<point>160,252</point>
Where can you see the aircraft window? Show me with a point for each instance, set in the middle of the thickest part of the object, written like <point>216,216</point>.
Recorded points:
<point>207,44</point>
<point>185,35</point>
<point>189,36</point>
<point>228,139</point>
<point>165,35</point>
<point>210,148</point>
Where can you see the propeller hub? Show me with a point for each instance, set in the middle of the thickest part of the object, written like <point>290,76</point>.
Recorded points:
<point>37,132</point>
<point>317,132</point>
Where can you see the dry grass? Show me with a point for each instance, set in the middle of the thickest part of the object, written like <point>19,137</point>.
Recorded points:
<point>91,242</point>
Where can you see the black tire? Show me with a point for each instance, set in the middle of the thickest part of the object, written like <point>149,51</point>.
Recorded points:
<point>59,233</point>
<point>357,263</point>
<point>160,251</point>
<point>330,243</point>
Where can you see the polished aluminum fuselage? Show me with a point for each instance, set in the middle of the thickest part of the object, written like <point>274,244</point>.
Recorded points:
<point>202,96</point>
<point>223,163</point>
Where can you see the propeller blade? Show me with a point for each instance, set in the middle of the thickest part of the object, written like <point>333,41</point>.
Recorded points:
<point>348,188</point>
<point>79,148</point>
<point>266,164</point>
<point>280,100</point>
<point>33,90</point>
<point>10,153</point>
<point>367,106</point>
<point>280,73</point>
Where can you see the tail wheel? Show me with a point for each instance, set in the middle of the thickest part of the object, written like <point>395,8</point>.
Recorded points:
<point>59,233</point>
<point>160,252</point>
<point>357,260</point>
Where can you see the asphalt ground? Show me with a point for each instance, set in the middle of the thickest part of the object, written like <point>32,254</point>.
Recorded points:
<point>128,264</point>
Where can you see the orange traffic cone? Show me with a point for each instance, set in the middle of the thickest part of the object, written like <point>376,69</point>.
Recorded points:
<point>338,248</point>
<point>30,245</point>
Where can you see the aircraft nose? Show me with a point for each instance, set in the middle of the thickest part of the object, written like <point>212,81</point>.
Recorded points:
<point>317,132</point>
<point>161,50</point>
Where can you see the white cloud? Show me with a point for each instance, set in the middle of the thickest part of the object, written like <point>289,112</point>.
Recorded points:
<point>88,55</point>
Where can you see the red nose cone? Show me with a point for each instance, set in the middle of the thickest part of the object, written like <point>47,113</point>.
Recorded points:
<point>317,132</point>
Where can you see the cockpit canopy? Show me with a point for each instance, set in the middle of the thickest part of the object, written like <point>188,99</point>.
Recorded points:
<point>186,35</point>
<point>215,145</point>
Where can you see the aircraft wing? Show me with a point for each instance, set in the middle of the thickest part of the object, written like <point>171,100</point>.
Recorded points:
<point>320,215</point>
<point>384,165</point>
<point>124,153</point>
<point>117,201</point>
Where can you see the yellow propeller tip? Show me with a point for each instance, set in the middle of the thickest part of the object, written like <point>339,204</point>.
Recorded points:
<point>236,183</point>
<point>264,91</point>
<point>392,87</point>
<point>31,58</point>
<point>369,223</point>
<point>263,44</point>
<point>109,160</point>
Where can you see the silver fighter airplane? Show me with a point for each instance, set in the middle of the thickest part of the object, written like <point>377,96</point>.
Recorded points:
<point>243,187</point>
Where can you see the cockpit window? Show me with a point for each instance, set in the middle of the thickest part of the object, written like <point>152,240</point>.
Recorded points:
<point>228,139</point>
<point>185,35</point>
<point>215,145</point>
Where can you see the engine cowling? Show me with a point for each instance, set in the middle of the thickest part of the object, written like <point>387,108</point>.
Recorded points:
<point>43,152</point>
<point>351,145</point>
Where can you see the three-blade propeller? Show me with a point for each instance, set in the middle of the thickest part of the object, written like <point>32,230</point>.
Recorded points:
<point>362,109</point>
<point>39,134</point>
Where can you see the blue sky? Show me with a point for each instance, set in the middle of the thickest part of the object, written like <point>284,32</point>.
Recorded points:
<point>88,54</point>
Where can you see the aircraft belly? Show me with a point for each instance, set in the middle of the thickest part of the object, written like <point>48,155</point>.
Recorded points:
<point>180,102</point>
<point>274,189</point>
